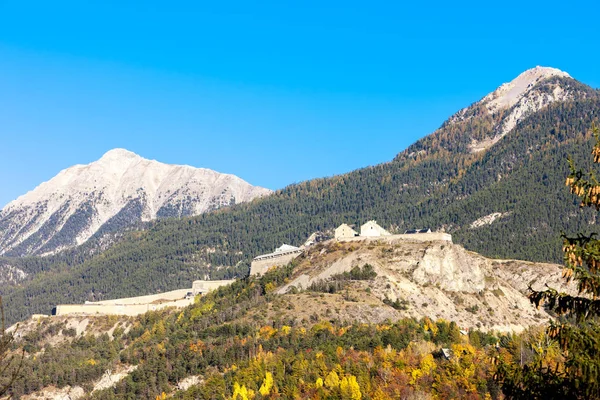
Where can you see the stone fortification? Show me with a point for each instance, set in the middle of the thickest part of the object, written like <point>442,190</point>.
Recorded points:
<point>202,287</point>
<point>118,309</point>
<point>344,231</point>
<point>419,237</point>
<point>141,304</point>
<point>280,257</point>
<point>372,229</point>
<point>151,298</point>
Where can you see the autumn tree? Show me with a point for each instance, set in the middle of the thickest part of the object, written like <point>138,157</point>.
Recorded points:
<point>572,372</point>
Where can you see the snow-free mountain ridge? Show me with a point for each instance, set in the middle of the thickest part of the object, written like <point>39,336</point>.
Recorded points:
<point>118,190</point>
<point>514,101</point>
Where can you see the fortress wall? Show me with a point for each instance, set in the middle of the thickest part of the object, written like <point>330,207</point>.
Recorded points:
<point>261,266</point>
<point>207,286</point>
<point>118,309</point>
<point>168,296</point>
<point>101,309</point>
<point>420,237</point>
<point>425,237</point>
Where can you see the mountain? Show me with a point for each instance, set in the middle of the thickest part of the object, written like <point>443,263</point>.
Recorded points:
<point>505,201</point>
<point>108,195</point>
<point>482,124</point>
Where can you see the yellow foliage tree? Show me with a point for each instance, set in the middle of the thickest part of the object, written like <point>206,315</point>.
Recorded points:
<point>198,347</point>
<point>332,381</point>
<point>350,388</point>
<point>267,384</point>
<point>285,330</point>
<point>241,392</point>
<point>269,287</point>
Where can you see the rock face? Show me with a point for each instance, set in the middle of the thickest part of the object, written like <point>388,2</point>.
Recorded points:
<point>10,274</point>
<point>108,195</point>
<point>450,268</point>
<point>435,279</point>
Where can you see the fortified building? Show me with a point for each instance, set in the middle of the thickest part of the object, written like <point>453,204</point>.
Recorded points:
<point>281,256</point>
<point>141,304</point>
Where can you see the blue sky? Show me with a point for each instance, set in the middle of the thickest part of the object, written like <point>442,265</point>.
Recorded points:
<point>274,92</point>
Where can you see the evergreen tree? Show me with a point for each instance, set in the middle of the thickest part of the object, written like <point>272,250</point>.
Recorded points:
<point>10,363</point>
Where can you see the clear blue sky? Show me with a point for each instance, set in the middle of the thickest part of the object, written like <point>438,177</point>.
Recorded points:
<point>275,92</point>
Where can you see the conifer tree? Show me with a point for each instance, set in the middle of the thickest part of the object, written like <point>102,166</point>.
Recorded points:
<point>10,363</point>
<point>574,373</point>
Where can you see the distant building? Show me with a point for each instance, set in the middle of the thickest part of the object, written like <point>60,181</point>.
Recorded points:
<point>344,231</point>
<point>281,256</point>
<point>412,231</point>
<point>370,229</point>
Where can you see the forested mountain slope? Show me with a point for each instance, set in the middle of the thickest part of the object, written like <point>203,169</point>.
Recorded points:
<point>444,181</point>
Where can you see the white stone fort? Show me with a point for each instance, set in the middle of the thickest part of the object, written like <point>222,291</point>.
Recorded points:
<point>141,304</point>
<point>260,264</point>
<point>370,230</point>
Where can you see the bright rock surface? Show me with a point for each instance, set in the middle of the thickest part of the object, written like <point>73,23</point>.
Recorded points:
<point>110,194</point>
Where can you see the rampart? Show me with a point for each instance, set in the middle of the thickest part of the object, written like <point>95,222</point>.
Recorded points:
<point>141,304</point>
<point>419,237</point>
<point>118,309</point>
<point>166,296</point>
<point>261,264</point>
<point>201,287</point>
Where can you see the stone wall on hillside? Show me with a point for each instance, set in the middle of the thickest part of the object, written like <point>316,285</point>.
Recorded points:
<point>118,309</point>
<point>419,237</point>
<point>141,304</point>
<point>261,266</point>
<point>202,287</point>
<point>166,296</point>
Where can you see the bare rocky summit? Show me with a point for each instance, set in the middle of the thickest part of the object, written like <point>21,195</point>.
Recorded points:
<point>110,194</point>
<point>512,102</point>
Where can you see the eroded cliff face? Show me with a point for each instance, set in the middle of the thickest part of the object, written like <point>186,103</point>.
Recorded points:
<point>451,268</point>
<point>434,279</point>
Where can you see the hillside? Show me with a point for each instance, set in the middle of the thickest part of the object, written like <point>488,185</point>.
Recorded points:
<point>434,279</point>
<point>114,193</point>
<point>505,201</point>
<point>236,333</point>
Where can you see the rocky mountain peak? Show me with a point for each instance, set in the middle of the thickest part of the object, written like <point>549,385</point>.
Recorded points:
<point>509,94</point>
<point>514,101</point>
<point>110,194</point>
<point>119,154</point>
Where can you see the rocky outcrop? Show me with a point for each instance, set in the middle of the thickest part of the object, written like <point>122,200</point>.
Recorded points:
<point>109,195</point>
<point>10,275</point>
<point>435,279</point>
